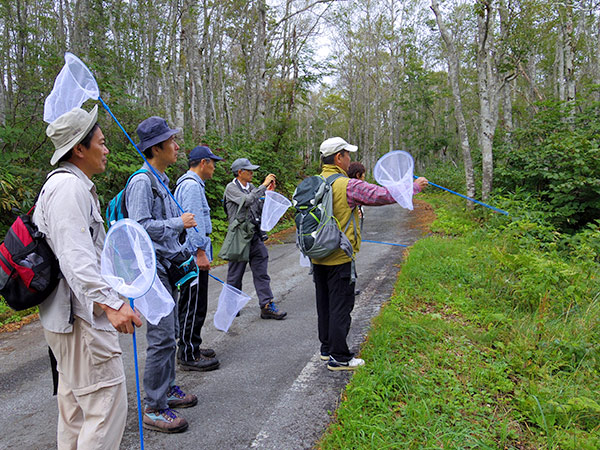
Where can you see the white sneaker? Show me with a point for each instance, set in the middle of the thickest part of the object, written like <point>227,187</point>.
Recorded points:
<point>349,365</point>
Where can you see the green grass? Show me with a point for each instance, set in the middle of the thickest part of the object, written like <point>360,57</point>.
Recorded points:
<point>490,341</point>
<point>7,315</point>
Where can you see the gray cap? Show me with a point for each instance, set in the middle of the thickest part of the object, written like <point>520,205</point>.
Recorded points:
<point>242,163</point>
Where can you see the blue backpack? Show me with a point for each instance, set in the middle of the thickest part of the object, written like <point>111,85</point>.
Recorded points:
<point>117,207</point>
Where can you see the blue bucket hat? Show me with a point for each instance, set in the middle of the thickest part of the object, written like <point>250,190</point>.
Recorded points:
<point>202,152</point>
<point>154,130</point>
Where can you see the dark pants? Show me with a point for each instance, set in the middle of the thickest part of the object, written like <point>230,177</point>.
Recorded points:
<point>259,261</point>
<point>159,372</point>
<point>193,303</point>
<point>335,302</point>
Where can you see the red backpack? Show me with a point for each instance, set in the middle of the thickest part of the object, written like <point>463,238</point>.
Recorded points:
<point>29,270</point>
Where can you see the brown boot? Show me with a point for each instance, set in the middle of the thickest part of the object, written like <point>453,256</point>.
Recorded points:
<point>176,398</point>
<point>270,311</point>
<point>164,420</point>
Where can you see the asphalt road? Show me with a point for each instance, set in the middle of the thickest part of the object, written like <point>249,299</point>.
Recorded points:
<point>271,390</point>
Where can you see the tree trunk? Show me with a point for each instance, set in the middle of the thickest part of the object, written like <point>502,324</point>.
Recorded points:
<point>597,64</point>
<point>489,87</point>
<point>507,93</point>
<point>261,63</point>
<point>560,64</point>
<point>80,28</point>
<point>453,79</point>
<point>569,51</point>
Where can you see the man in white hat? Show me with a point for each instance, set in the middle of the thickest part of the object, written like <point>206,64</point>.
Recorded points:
<point>82,316</point>
<point>334,275</point>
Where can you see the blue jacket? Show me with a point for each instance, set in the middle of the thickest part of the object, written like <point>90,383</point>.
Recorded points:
<point>191,195</point>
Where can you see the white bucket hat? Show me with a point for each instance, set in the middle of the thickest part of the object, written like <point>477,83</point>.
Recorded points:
<point>333,145</point>
<point>69,130</point>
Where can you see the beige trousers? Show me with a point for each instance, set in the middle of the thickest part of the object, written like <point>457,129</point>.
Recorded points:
<point>92,396</point>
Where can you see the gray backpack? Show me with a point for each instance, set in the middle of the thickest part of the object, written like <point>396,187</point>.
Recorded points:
<point>318,232</point>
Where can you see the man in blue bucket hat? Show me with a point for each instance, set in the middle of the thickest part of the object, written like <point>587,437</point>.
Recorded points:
<point>149,203</point>
<point>193,301</point>
<point>240,191</point>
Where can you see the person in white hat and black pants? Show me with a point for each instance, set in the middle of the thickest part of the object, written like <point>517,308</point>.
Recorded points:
<point>335,275</point>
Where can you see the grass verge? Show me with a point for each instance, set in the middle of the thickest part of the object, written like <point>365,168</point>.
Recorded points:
<point>489,342</point>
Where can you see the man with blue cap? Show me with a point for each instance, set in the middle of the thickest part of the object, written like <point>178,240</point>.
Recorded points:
<point>193,301</point>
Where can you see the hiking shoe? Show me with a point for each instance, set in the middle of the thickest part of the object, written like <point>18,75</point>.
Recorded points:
<point>324,356</point>
<point>208,352</point>
<point>176,398</point>
<point>164,420</point>
<point>347,365</point>
<point>270,311</point>
<point>200,364</point>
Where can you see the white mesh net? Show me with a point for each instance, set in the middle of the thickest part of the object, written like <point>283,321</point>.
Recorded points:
<point>73,86</point>
<point>274,208</point>
<point>394,170</point>
<point>231,301</point>
<point>128,265</point>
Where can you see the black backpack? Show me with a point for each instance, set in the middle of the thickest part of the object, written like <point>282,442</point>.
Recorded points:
<point>29,270</point>
<point>318,232</point>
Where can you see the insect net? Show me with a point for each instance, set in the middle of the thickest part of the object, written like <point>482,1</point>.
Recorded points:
<point>73,86</point>
<point>128,265</point>
<point>394,170</point>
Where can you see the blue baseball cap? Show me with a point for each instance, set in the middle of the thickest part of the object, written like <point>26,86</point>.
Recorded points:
<point>202,152</point>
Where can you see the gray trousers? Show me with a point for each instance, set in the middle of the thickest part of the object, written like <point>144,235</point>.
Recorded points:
<point>259,261</point>
<point>159,373</point>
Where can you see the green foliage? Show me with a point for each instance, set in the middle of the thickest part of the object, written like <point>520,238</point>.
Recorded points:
<point>558,162</point>
<point>7,315</point>
<point>490,341</point>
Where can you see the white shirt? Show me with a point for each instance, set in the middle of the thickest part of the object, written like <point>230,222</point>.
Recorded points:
<point>68,213</point>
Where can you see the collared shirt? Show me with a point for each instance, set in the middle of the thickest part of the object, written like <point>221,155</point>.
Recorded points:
<point>252,197</point>
<point>191,195</point>
<point>159,216</point>
<point>360,192</point>
<point>68,213</point>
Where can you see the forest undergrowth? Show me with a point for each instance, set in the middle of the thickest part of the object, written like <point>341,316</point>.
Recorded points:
<point>490,341</point>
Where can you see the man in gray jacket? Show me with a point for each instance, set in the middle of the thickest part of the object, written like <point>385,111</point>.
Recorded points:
<point>242,191</point>
<point>82,313</point>
<point>150,204</point>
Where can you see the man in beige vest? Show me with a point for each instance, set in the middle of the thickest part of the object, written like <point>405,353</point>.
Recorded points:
<point>83,314</point>
<point>334,275</point>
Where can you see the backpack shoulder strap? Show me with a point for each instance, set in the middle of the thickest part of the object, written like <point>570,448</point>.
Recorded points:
<point>150,175</point>
<point>50,175</point>
<point>187,177</point>
<point>331,178</point>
